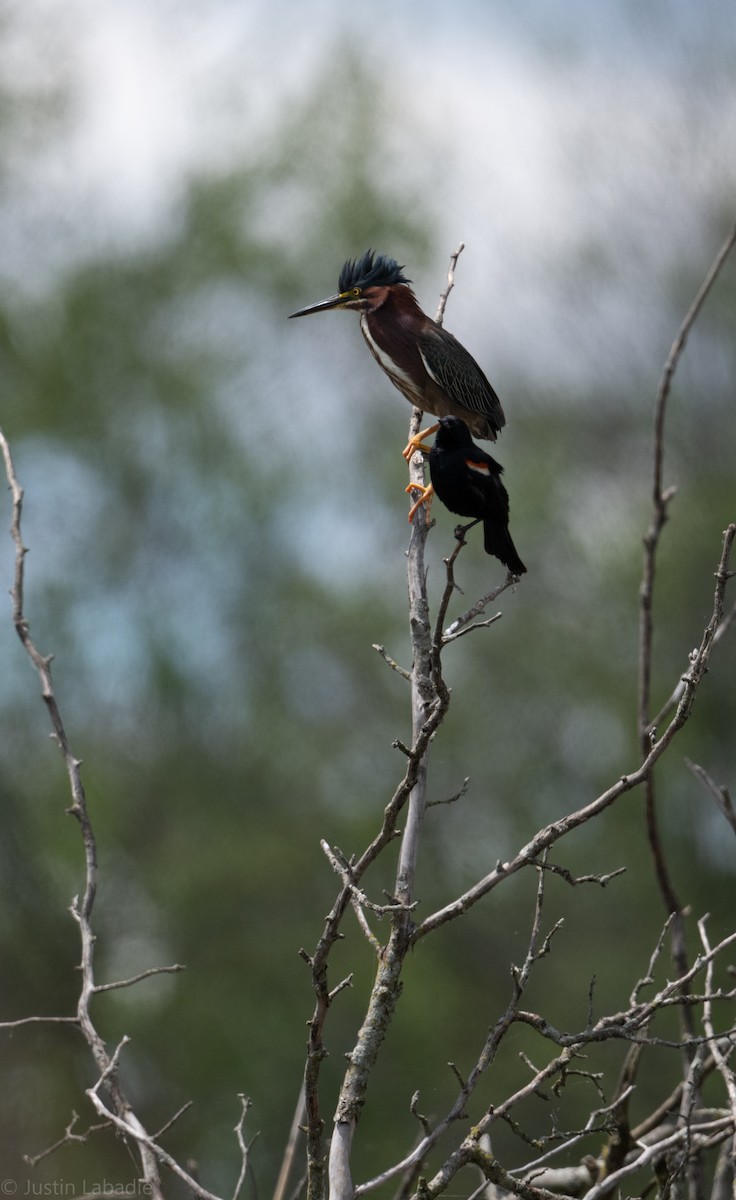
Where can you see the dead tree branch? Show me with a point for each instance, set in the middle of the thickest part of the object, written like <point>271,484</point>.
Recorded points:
<point>661,498</point>
<point>721,795</point>
<point>120,1112</point>
<point>692,678</point>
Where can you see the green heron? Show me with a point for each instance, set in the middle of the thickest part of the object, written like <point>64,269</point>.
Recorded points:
<point>468,482</point>
<point>430,367</point>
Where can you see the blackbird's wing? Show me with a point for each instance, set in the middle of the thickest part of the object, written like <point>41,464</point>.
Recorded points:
<point>484,478</point>
<point>496,536</point>
<point>458,374</point>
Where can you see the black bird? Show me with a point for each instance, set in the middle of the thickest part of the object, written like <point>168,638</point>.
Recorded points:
<point>468,482</point>
<point>426,363</point>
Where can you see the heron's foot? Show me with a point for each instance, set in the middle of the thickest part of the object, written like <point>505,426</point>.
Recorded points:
<point>425,497</point>
<point>416,443</point>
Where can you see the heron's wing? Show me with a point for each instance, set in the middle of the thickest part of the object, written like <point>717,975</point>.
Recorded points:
<point>457,373</point>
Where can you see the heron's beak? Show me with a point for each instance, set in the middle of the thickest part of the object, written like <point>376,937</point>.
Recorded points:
<point>323,306</point>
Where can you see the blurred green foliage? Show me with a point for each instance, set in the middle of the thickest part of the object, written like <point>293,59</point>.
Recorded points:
<point>216,524</point>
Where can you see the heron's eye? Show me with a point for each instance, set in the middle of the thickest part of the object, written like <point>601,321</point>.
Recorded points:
<point>356,291</point>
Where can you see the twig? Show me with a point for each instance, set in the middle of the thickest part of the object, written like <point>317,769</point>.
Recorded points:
<point>242,1145</point>
<point>291,1147</point>
<point>392,662</point>
<point>32,1160</point>
<point>576,880</point>
<point>453,799</point>
<point>279,1192</point>
<point>132,1129</point>
<point>648,979</point>
<point>124,983</point>
<point>673,699</point>
<point>450,588</point>
<point>358,899</point>
<point>452,630</point>
<point>172,1120</point>
<point>721,1060</point>
<point>452,637</point>
<point>39,1021</point>
<point>347,982</point>
<point>569,1141</point>
<point>439,316</point>
<point>414,1110</point>
<point>656,1151</point>
<point>721,795</point>
<point>626,1025</point>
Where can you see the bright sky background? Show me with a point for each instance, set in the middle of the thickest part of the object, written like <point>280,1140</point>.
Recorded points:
<point>525,94</point>
<point>549,131</point>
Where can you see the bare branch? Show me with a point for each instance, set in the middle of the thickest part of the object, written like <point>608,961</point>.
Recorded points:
<point>721,1059</point>
<point>463,1082</point>
<point>576,880</point>
<point>347,982</point>
<point>460,632</point>
<point>450,588</point>
<point>172,1120</point>
<point>439,316</point>
<point>480,605</point>
<point>649,1154</point>
<point>660,503</point>
<point>414,1110</point>
<point>132,1128</point>
<point>723,1178</point>
<point>363,922</point>
<point>660,497</point>
<point>593,1124</point>
<point>455,796</point>
<point>672,701</point>
<point>124,983</point>
<point>242,1145</point>
<point>392,662</point>
<point>486,1057</point>
<point>39,1021</point>
<point>32,1160</point>
<point>648,979</point>
<point>130,1131</point>
<point>290,1151</point>
<point>721,795</point>
<point>81,909</point>
<point>552,833</point>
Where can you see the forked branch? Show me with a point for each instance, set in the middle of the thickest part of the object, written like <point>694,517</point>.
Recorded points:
<point>116,1110</point>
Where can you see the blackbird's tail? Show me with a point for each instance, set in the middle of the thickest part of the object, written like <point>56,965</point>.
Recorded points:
<point>498,543</point>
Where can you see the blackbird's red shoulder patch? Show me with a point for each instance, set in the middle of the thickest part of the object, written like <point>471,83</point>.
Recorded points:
<point>481,467</point>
